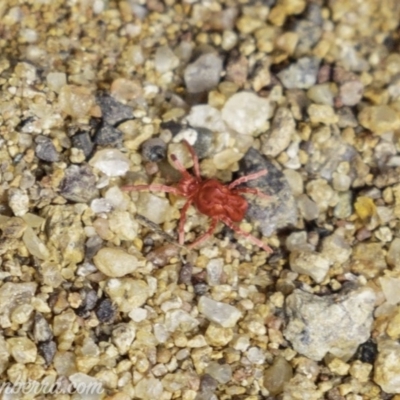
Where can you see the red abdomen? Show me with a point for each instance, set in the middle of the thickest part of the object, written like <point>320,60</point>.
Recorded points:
<point>216,200</point>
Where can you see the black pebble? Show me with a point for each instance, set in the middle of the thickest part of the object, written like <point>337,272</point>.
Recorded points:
<point>107,135</point>
<point>105,311</point>
<point>113,112</point>
<point>367,352</point>
<point>82,141</point>
<point>47,350</point>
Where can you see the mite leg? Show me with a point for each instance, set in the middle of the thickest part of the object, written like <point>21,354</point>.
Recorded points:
<point>206,235</point>
<point>251,238</point>
<point>182,221</point>
<point>152,188</point>
<point>195,159</point>
<point>247,178</point>
<point>253,191</point>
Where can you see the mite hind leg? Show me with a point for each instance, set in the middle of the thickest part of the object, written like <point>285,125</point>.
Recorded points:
<point>251,238</point>
<point>182,221</point>
<point>206,235</point>
<point>151,188</point>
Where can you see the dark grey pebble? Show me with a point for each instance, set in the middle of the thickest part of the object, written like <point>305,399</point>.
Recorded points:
<point>82,141</point>
<point>79,184</point>
<point>113,112</point>
<point>47,350</point>
<point>203,142</point>
<point>41,329</point>
<point>154,150</point>
<point>105,311</point>
<point>172,126</point>
<point>185,274</point>
<point>88,303</point>
<point>107,135</point>
<point>200,289</point>
<point>92,246</point>
<point>45,149</point>
<point>280,209</point>
<point>208,383</point>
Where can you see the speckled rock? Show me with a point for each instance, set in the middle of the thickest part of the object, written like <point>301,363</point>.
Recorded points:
<point>83,141</point>
<point>45,149</point>
<point>321,113</point>
<point>111,162</point>
<point>47,350</point>
<point>66,234</point>
<point>154,150</point>
<point>387,366</point>
<point>310,263</point>
<point>301,75</point>
<point>278,211</point>
<point>379,119</point>
<point>152,207</point>
<point>76,101</point>
<point>203,74</point>
<point>79,184</point>
<point>277,375</point>
<point>165,59</point>
<point>148,389</point>
<point>18,200</point>
<point>115,262</point>
<point>41,329</point>
<point>205,116</point>
<point>246,113</point>
<point>123,336</point>
<point>22,349</point>
<point>11,295</point>
<point>218,312</point>
<point>112,110</point>
<point>107,135</point>
<point>368,259</point>
<point>278,138</point>
<point>348,325</point>
<point>127,293</point>
<point>200,138</point>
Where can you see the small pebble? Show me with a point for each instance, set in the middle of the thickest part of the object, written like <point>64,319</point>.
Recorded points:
<point>246,113</point>
<point>106,311</point>
<point>111,162</point>
<point>300,75</point>
<point>45,149</point>
<point>154,150</point>
<point>203,74</point>
<point>112,110</point>
<point>379,119</point>
<point>115,262</point>
<point>83,141</point>
<point>165,60</point>
<point>79,184</point>
<point>220,313</point>
<point>277,375</point>
<point>107,135</point>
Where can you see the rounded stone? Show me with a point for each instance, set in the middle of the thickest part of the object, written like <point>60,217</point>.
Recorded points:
<point>115,262</point>
<point>246,113</point>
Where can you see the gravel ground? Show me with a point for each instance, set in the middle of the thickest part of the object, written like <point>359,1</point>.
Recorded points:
<point>95,289</point>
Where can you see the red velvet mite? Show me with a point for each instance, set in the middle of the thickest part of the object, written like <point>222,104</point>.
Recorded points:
<point>211,197</point>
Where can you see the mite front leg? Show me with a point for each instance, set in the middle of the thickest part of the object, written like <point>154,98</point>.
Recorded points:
<point>247,178</point>
<point>206,235</point>
<point>251,238</point>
